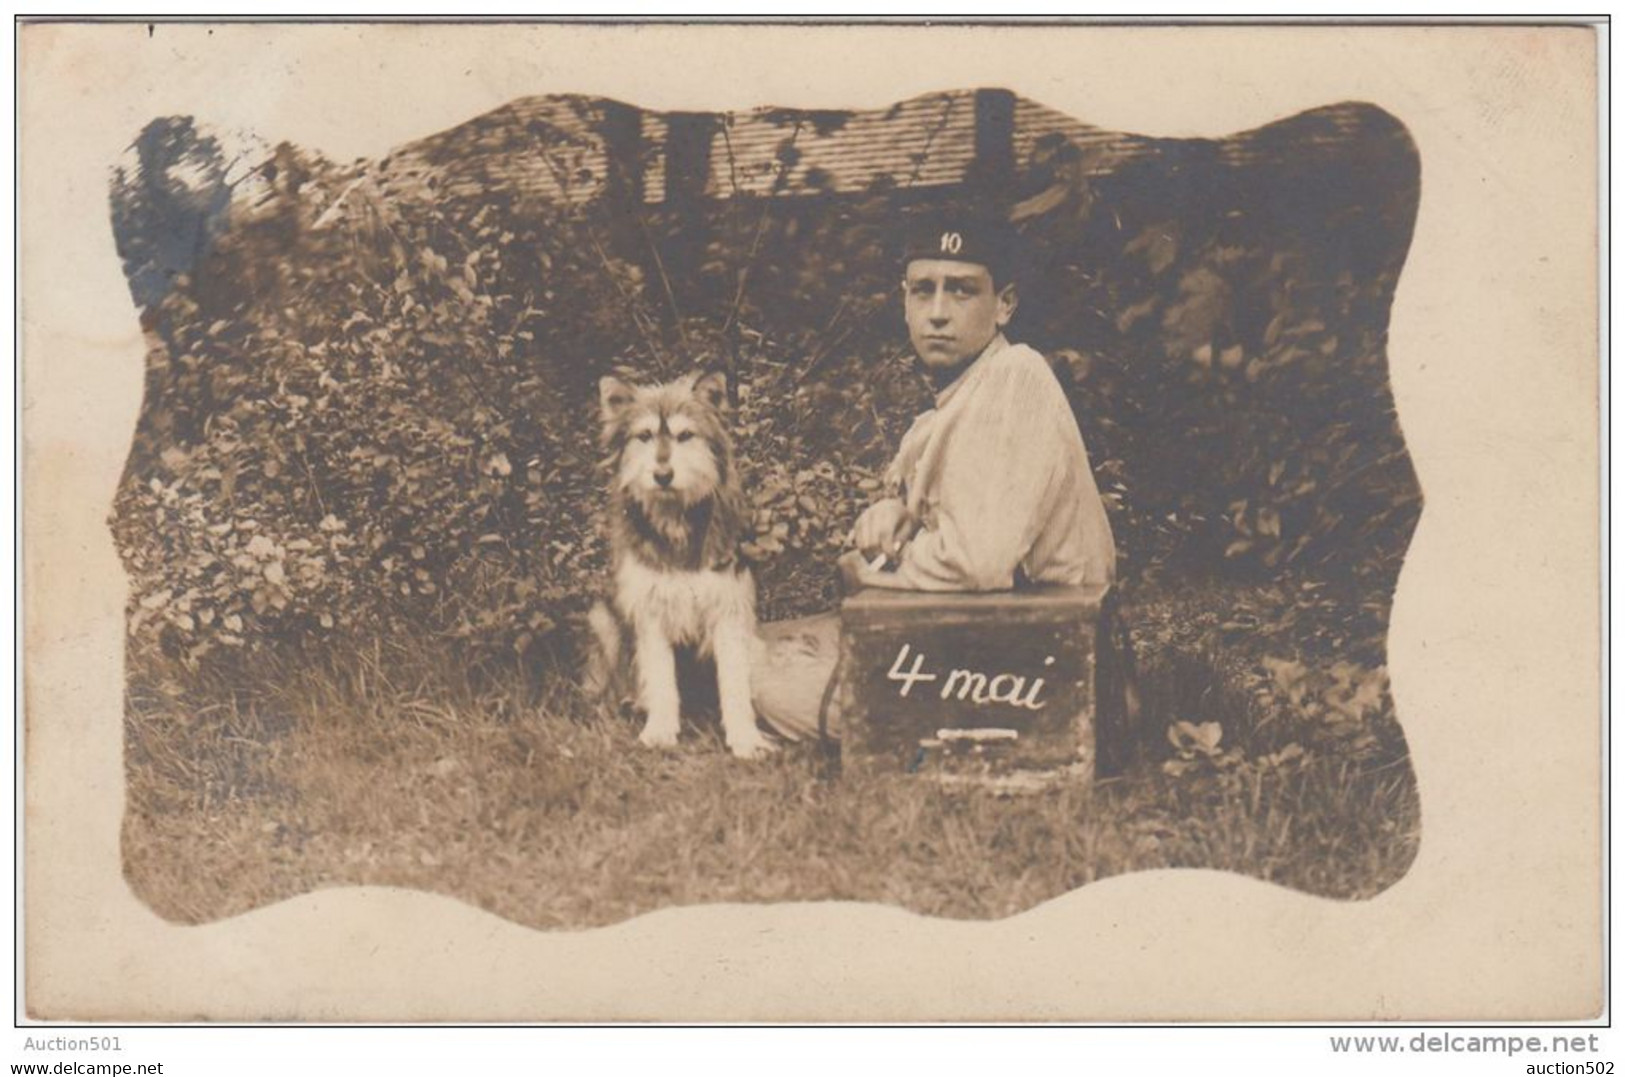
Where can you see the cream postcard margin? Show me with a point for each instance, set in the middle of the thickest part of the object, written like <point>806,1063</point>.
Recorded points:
<point>1495,646</point>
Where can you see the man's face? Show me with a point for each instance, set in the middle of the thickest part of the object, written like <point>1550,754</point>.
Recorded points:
<point>952,310</point>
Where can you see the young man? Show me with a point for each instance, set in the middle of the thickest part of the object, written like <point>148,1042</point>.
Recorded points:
<point>990,489</point>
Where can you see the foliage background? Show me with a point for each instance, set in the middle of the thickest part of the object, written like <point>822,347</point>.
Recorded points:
<point>371,393</point>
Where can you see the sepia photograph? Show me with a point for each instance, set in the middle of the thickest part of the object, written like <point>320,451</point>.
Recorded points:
<point>596,507</point>
<point>1096,428</point>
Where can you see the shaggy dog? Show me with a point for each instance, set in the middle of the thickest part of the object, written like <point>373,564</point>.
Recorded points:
<point>675,519</point>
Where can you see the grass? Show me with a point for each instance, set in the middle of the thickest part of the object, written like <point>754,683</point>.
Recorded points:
<point>397,765</point>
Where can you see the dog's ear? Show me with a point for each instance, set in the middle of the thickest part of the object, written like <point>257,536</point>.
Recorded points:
<point>712,387</point>
<point>613,397</point>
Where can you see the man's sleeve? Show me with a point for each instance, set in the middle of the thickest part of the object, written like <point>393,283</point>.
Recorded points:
<point>999,473</point>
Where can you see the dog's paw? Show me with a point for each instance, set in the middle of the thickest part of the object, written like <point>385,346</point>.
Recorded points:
<point>751,747</point>
<point>658,736</point>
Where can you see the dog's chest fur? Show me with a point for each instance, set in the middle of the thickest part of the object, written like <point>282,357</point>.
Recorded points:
<point>685,605</point>
<point>676,538</point>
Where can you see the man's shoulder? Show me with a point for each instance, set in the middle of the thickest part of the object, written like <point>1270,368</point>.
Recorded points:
<point>1025,355</point>
<point>1023,364</point>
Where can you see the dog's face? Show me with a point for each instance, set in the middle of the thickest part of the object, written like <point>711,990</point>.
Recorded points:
<point>668,443</point>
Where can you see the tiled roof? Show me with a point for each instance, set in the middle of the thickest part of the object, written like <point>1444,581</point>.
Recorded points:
<point>553,148</point>
<point>925,141</point>
<point>548,147</point>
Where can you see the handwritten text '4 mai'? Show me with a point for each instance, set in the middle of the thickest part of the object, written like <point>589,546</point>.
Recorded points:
<point>965,684</point>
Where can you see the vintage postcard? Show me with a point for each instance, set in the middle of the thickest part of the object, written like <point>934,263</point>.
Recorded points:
<point>548,522</point>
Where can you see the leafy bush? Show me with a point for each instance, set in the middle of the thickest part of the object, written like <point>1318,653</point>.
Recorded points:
<point>371,404</point>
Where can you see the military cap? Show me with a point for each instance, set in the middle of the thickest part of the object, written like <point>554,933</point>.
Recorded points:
<point>959,235</point>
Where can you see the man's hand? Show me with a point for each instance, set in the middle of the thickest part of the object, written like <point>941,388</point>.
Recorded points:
<point>883,528</point>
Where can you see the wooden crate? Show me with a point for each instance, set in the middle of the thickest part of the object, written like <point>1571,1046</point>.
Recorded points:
<point>968,683</point>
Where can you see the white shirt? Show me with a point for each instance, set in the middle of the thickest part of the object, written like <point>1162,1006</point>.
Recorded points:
<point>999,478</point>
